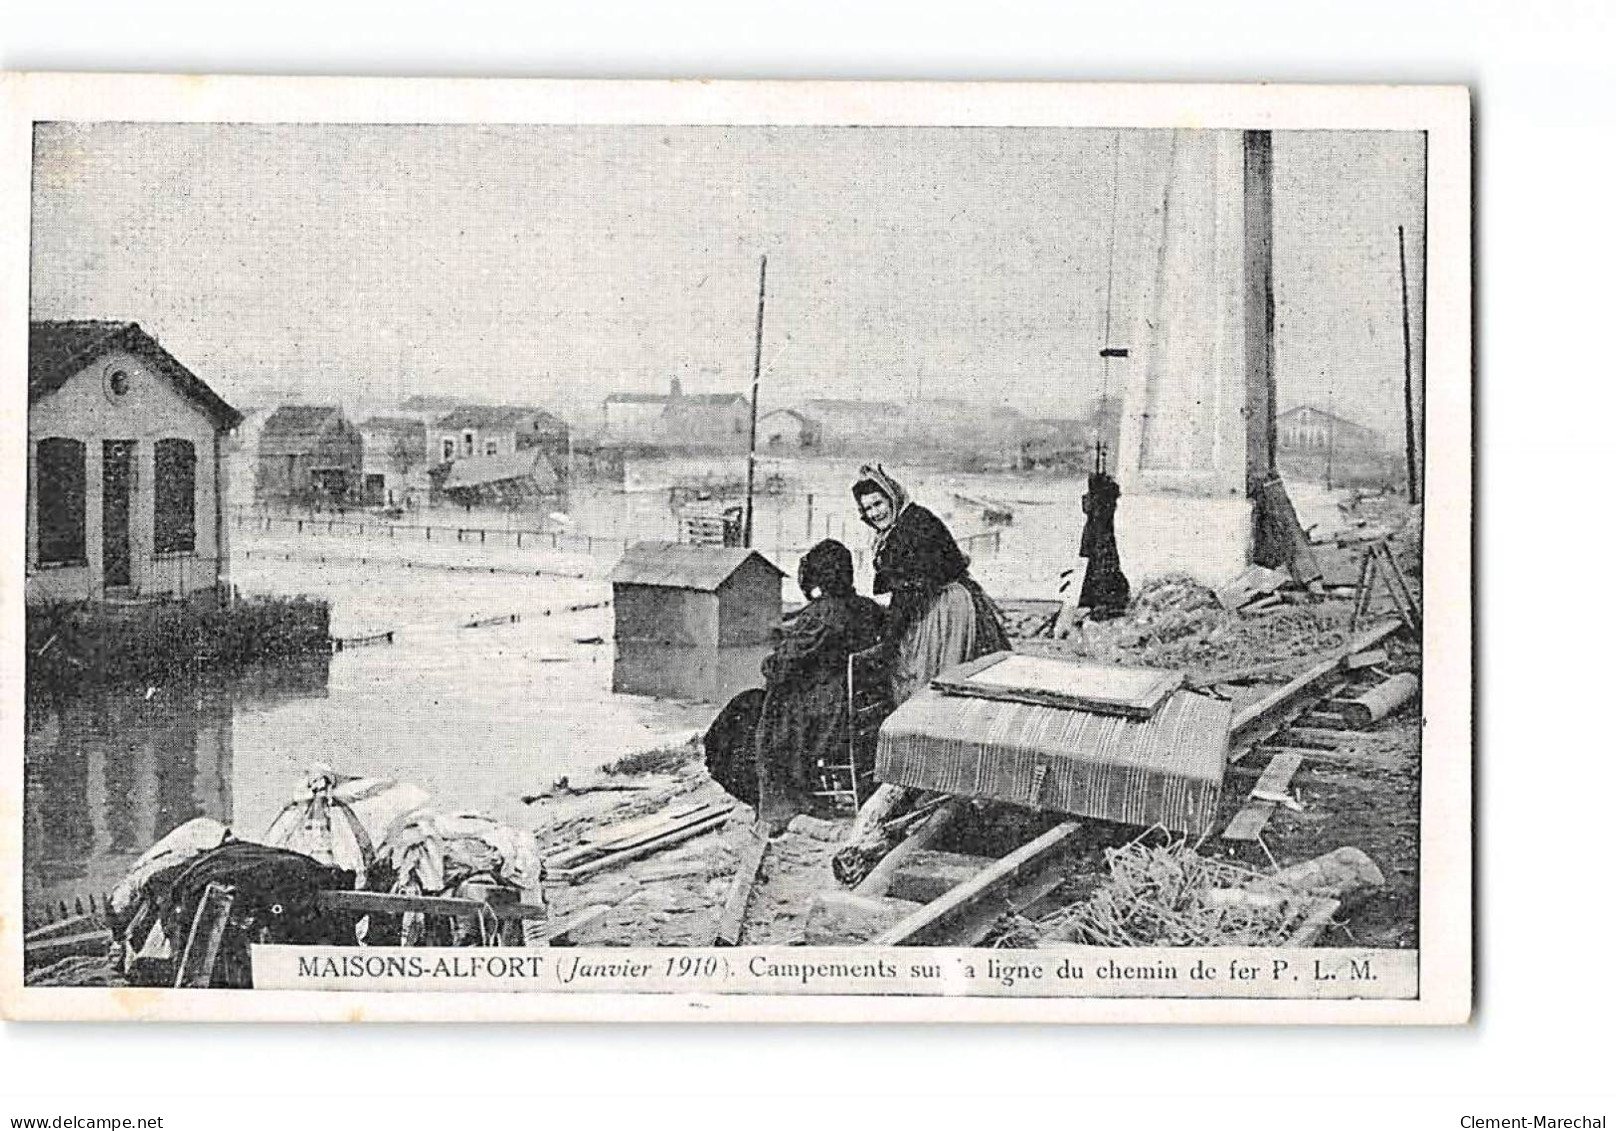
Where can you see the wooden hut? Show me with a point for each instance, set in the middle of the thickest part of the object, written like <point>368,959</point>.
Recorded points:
<point>692,622</point>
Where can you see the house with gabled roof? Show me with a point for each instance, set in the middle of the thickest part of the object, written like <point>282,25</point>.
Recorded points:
<point>394,459</point>
<point>475,431</point>
<point>677,419</point>
<point>127,478</point>
<point>309,454</point>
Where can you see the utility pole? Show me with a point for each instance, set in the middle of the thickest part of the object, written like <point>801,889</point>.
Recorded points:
<point>1408,377</point>
<point>757,372</point>
<point>1329,452</point>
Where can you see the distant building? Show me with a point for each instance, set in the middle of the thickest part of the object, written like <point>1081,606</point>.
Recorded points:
<point>126,471</point>
<point>395,456</point>
<point>309,454</point>
<point>786,428</point>
<point>852,423</point>
<point>692,622</point>
<point>508,480</point>
<point>677,418</point>
<point>1308,429</point>
<point>498,430</point>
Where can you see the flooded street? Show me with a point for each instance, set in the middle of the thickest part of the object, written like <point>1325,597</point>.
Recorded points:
<point>477,716</point>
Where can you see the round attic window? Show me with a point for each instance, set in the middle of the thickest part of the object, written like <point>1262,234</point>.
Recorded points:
<point>116,383</point>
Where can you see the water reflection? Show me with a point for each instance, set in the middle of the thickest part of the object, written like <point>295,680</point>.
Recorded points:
<point>112,770</point>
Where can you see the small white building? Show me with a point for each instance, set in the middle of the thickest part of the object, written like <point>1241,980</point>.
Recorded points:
<point>1305,428</point>
<point>786,428</point>
<point>126,469</point>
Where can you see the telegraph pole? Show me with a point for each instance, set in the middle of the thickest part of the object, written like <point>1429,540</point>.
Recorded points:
<point>757,371</point>
<point>1408,377</point>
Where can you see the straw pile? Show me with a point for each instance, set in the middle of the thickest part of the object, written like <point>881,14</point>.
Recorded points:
<point>1171,895</point>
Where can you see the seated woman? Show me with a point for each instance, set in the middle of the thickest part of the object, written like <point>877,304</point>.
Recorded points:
<point>804,715</point>
<point>939,615</point>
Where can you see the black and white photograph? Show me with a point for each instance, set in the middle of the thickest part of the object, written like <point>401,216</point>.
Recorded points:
<point>821,552</point>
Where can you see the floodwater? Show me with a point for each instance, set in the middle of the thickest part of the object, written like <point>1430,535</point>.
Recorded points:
<point>810,500</point>
<point>475,716</point>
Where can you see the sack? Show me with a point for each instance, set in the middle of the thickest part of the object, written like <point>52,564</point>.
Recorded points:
<point>339,820</point>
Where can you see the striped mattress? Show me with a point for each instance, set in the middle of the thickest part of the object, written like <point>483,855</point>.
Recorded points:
<point>1167,769</point>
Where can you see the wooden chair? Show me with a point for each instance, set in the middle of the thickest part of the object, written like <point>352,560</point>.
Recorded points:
<point>846,781</point>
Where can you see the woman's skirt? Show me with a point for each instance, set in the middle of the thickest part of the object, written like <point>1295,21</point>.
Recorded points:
<point>961,624</point>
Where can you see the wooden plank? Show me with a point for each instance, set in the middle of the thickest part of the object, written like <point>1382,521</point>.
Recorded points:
<point>973,925</point>
<point>927,874</point>
<point>207,936</point>
<point>91,943</point>
<point>1325,720</point>
<point>740,890</point>
<point>389,903</point>
<point>1268,714</point>
<point>1248,823</point>
<point>879,878</point>
<point>632,834</point>
<point>72,925</point>
<point>666,840</point>
<point>1367,659</point>
<point>932,921</point>
<point>1313,736</point>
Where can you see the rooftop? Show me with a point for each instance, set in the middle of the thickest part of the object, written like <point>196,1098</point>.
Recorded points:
<point>681,565</point>
<point>58,350</point>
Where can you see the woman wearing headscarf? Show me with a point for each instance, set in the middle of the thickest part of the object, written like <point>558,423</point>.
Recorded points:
<point>939,616</point>
<point>804,713</point>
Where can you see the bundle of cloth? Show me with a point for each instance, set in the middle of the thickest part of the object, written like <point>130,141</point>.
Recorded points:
<point>383,830</point>
<point>338,833</point>
<point>339,819</point>
<point>276,890</point>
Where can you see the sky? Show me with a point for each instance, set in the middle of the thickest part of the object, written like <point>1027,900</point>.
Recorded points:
<point>552,265</point>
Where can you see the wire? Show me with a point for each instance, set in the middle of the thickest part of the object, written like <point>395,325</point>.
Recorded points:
<point>1111,251</point>
<point>1110,285</point>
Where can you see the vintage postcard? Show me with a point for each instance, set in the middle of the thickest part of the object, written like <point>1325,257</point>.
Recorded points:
<point>492,550</point>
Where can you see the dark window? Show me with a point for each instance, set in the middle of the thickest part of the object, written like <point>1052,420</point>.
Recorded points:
<point>174,523</point>
<point>61,501</point>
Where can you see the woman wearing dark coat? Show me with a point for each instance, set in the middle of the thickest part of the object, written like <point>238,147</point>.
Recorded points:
<point>939,616</point>
<point>804,713</point>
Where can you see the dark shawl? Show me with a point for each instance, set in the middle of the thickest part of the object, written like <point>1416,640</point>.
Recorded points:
<point>916,561</point>
<point>804,716</point>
